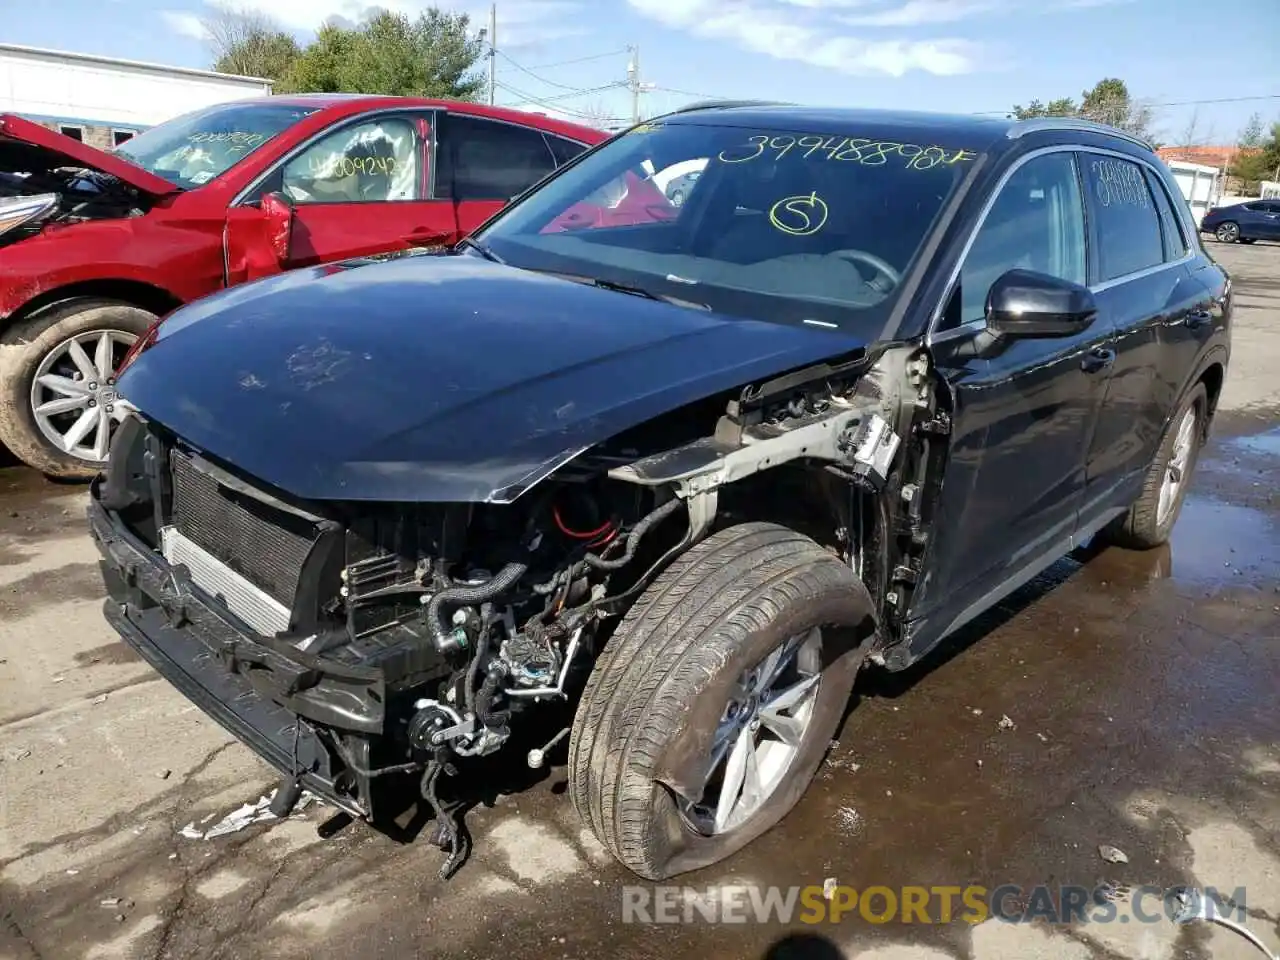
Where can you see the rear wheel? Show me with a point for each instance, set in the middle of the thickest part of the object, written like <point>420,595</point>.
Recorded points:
<point>58,402</point>
<point>1227,232</point>
<point>1150,521</point>
<point>714,702</point>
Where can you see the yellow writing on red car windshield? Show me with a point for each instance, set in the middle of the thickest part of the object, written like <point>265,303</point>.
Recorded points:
<point>868,153</point>
<point>240,139</point>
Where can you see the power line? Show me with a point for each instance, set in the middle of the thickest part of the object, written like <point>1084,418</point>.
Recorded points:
<point>552,83</point>
<point>690,93</point>
<point>1171,103</point>
<point>559,96</point>
<point>547,101</point>
<point>565,63</point>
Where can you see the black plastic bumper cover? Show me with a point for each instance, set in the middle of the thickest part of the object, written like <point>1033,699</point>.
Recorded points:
<point>202,653</point>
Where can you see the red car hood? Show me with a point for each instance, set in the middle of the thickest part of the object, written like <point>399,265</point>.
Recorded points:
<point>25,136</point>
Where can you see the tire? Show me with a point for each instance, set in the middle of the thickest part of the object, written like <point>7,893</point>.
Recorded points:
<point>26,346</point>
<point>1145,526</point>
<point>662,685</point>
<point>1227,232</point>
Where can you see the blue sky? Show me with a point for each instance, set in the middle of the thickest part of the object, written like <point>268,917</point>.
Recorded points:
<point>961,55</point>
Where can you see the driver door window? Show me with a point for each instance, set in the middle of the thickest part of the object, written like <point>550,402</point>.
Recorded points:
<point>359,190</point>
<point>373,162</point>
<point>1036,223</point>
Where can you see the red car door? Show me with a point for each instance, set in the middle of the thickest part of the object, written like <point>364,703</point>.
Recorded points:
<point>481,164</point>
<point>361,188</point>
<point>364,189</point>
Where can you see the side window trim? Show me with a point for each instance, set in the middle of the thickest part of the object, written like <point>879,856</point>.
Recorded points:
<point>934,335</point>
<point>246,196</point>
<point>1168,217</point>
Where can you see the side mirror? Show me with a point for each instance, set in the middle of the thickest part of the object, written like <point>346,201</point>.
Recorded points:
<point>278,209</point>
<point>1023,303</point>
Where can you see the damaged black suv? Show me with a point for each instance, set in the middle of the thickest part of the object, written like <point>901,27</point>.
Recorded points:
<point>684,468</point>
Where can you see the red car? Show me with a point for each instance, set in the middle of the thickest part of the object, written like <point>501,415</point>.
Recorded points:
<point>95,246</point>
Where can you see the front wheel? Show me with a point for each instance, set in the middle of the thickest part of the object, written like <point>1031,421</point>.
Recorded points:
<point>713,704</point>
<point>1150,521</point>
<point>1228,232</point>
<point>58,400</point>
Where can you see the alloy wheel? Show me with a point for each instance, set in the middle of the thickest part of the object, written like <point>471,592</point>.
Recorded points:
<point>1179,465</point>
<point>759,735</point>
<point>73,395</point>
<point>1228,233</point>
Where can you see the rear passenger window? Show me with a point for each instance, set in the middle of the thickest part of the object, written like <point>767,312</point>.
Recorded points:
<point>1175,242</point>
<point>478,159</point>
<point>564,150</point>
<point>1126,224</point>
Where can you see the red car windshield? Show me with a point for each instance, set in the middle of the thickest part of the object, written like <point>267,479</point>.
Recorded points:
<point>193,149</point>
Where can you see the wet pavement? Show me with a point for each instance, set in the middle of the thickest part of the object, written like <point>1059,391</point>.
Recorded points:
<point>1125,699</point>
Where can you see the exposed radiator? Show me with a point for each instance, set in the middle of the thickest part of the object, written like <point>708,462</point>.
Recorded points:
<point>254,606</point>
<point>262,544</point>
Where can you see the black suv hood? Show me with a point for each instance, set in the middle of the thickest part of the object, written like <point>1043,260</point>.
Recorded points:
<point>439,378</point>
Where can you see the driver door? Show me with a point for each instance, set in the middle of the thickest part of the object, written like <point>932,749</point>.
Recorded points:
<point>359,189</point>
<point>1024,411</point>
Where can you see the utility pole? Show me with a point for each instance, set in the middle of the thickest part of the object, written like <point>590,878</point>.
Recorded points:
<point>633,80</point>
<point>493,50</point>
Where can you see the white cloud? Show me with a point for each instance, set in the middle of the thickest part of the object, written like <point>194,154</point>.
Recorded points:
<point>802,30</point>
<point>185,23</point>
<point>915,13</point>
<point>521,23</point>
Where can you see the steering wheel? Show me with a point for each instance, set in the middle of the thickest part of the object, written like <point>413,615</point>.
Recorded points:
<point>882,268</point>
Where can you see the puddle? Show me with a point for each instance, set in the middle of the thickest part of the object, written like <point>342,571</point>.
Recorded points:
<point>1215,542</point>
<point>1267,443</point>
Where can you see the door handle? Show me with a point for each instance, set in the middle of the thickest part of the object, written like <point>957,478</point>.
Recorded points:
<point>1198,318</point>
<point>426,235</point>
<point>1099,358</point>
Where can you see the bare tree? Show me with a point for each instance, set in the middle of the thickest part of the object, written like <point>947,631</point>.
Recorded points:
<point>1193,134</point>
<point>595,114</point>
<point>248,42</point>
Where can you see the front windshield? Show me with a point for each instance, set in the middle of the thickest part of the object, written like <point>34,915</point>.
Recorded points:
<point>775,224</point>
<point>193,149</point>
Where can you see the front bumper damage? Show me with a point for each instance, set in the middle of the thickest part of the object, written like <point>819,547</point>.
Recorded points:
<point>260,694</point>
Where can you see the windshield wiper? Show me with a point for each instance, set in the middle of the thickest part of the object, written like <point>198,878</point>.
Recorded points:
<point>633,291</point>
<point>479,248</point>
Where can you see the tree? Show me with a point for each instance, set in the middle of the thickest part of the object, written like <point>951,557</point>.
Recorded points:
<point>1193,135</point>
<point>1260,160</point>
<point>1251,135</point>
<point>1108,102</point>
<point>432,56</point>
<point>248,43</point>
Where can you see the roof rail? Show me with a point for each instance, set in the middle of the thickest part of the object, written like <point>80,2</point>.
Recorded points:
<point>1021,128</point>
<point>714,104</point>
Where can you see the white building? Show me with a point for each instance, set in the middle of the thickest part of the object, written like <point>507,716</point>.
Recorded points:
<point>104,101</point>
<point>1201,185</point>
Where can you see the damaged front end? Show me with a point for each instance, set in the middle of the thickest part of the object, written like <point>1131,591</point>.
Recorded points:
<point>354,644</point>
<point>47,178</point>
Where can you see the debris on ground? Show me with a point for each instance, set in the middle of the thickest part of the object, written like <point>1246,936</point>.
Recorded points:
<point>1004,723</point>
<point>163,774</point>
<point>109,902</point>
<point>1112,854</point>
<point>850,820</point>
<point>237,820</point>
<point>22,754</point>
<point>979,762</point>
<point>977,712</point>
<point>829,888</point>
<point>1042,738</point>
<point>100,699</point>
